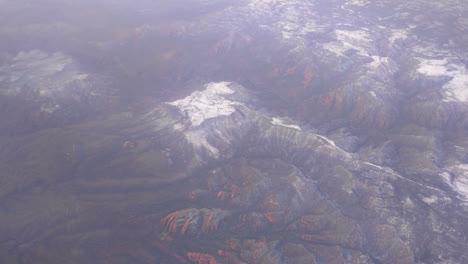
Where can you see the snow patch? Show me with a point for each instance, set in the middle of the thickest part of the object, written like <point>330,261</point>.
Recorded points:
<point>383,68</point>
<point>430,200</point>
<point>279,122</point>
<point>178,127</point>
<point>377,61</point>
<point>336,48</point>
<point>433,67</point>
<point>198,139</point>
<point>329,141</point>
<point>408,203</point>
<point>457,88</point>
<point>398,34</point>
<point>293,19</point>
<point>355,39</point>
<point>358,2</point>
<point>208,103</point>
<point>359,40</point>
<point>459,181</point>
<point>390,171</point>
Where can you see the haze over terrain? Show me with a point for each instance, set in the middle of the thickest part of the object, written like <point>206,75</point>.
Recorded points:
<point>234,132</point>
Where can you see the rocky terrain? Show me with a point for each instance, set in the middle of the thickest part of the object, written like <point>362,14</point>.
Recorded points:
<point>263,131</point>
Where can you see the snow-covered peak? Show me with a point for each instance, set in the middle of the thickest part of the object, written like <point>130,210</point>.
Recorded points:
<point>208,103</point>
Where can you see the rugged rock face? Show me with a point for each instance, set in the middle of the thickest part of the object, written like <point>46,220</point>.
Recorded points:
<point>314,193</point>
<point>217,181</point>
<point>260,131</point>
